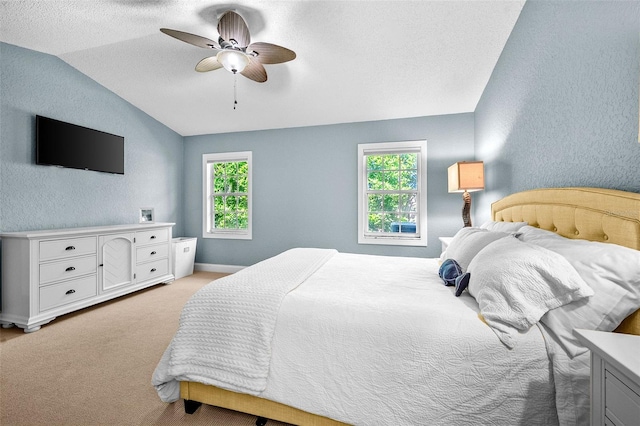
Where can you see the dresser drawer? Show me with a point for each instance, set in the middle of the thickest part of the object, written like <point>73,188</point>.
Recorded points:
<point>150,270</point>
<point>66,292</point>
<point>622,404</point>
<point>67,268</point>
<point>147,253</point>
<point>152,236</point>
<point>56,249</point>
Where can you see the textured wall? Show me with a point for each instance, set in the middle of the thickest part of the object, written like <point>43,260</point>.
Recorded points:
<point>561,108</point>
<point>39,197</point>
<point>305,185</point>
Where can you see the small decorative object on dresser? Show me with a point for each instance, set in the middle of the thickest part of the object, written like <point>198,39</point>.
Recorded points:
<point>53,272</point>
<point>146,215</point>
<point>615,377</point>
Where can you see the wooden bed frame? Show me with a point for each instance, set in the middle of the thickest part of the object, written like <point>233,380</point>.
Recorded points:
<point>583,213</point>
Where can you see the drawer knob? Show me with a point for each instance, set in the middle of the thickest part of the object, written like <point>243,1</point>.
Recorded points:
<point>153,237</point>
<point>153,270</point>
<point>70,248</point>
<point>70,291</point>
<point>70,268</point>
<point>152,253</point>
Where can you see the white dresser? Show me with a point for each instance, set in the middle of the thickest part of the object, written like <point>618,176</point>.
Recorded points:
<point>615,377</point>
<point>48,273</point>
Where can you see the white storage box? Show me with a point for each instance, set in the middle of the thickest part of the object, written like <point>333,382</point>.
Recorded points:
<point>184,255</point>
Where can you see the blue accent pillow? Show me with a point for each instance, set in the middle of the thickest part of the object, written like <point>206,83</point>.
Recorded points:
<point>449,271</point>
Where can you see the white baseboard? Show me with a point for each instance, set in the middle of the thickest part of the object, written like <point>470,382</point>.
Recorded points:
<point>224,269</point>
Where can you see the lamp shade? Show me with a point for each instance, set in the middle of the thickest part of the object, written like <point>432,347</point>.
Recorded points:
<point>466,176</point>
<point>233,60</point>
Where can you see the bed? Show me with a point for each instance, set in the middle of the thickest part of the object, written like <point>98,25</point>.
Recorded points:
<point>385,342</point>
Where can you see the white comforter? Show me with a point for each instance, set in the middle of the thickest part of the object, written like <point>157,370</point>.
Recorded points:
<point>380,340</point>
<point>226,329</point>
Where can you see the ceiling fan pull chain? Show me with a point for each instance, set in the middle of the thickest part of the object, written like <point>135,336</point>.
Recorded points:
<point>235,91</point>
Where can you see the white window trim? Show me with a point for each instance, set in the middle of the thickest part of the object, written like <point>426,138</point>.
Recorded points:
<point>390,147</point>
<point>207,191</point>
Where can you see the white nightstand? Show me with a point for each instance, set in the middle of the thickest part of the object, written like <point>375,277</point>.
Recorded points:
<point>615,377</point>
<point>445,242</point>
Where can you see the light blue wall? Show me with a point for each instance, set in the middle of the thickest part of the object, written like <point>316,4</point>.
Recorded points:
<point>305,185</point>
<point>305,178</point>
<point>39,197</point>
<point>561,108</point>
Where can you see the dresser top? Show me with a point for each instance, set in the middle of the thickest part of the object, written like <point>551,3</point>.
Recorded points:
<point>49,233</point>
<point>620,350</point>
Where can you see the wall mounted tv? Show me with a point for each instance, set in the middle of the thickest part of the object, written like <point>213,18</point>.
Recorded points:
<point>68,145</point>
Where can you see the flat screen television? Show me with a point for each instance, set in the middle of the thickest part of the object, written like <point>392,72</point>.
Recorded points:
<point>68,145</point>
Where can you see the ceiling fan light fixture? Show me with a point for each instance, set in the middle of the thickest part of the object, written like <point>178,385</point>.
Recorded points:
<point>234,51</point>
<point>233,60</point>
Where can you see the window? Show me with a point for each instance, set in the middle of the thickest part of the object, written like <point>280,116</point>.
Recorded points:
<point>392,199</point>
<point>226,211</point>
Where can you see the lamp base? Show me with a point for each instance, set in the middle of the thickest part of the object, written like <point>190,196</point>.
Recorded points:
<point>466,209</point>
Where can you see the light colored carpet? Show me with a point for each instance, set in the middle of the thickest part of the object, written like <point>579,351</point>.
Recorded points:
<point>94,366</point>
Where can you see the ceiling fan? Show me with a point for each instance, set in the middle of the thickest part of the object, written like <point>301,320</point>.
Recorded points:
<point>234,50</point>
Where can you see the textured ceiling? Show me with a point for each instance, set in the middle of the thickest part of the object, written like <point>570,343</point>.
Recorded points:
<point>356,60</point>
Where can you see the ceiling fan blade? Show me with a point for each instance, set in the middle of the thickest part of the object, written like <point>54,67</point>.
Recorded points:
<point>255,71</point>
<point>196,40</point>
<point>208,64</point>
<point>271,53</point>
<point>232,27</point>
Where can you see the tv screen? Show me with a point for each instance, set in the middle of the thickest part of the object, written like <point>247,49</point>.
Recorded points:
<point>68,145</point>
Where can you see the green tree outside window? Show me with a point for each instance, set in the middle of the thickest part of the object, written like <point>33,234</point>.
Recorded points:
<point>392,192</point>
<point>230,195</point>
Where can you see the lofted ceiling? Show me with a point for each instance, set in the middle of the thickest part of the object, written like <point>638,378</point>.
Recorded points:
<point>356,60</point>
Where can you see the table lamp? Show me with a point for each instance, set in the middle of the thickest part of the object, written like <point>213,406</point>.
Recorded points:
<point>465,177</point>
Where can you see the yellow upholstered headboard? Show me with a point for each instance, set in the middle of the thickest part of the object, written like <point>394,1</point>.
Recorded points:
<point>593,214</point>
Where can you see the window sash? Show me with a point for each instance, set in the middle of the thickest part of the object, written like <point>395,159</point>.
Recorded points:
<point>223,183</point>
<point>213,189</point>
<point>386,235</point>
<point>398,213</point>
<point>415,215</point>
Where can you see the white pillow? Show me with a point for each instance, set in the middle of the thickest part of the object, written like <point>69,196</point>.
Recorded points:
<point>503,226</point>
<point>467,243</point>
<point>612,271</point>
<point>516,283</point>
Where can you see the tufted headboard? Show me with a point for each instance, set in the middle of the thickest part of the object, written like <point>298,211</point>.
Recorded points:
<point>593,214</point>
